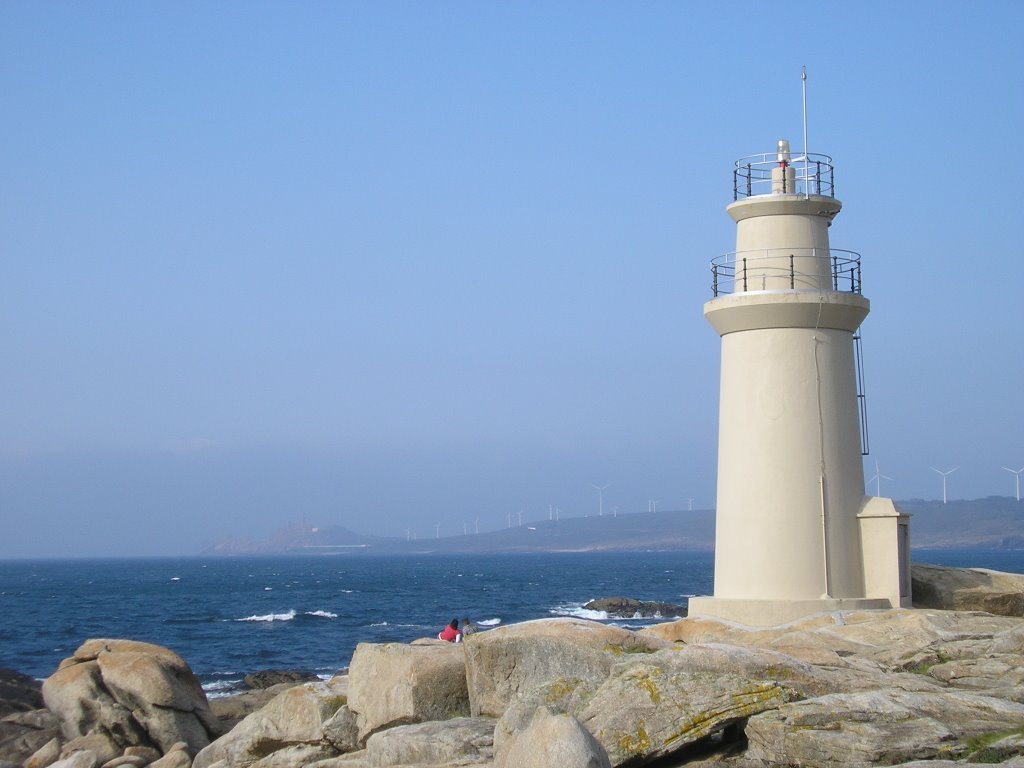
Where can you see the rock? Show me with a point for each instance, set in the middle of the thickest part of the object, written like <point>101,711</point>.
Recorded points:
<point>516,658</point>
<point>83,705</point>
<point>652,707</point>
<point>146,753</point>
<point>133,693</point>
<point>84,759</point>
<point>548,740</point>
<point>995,675</point>
<point>394,684</point>
<point>22,734</point>
<point>1010,641</point>
<point>18,692</point>
<point>653,704</point>
<point>294,756</point>
<point>342,730</point>
<point>890,639</point>
<point>628,608</point>
<point>296,717</point>
<point>127,761</point>
<point>271,677</point>
<point>98,744</point>
<point>45,755</point>
<point>967,589</point>
<point>175,758</point>
<point>876,728</point>
<point>995,749</point>
<point>231,710</point>
<point>459,741</point>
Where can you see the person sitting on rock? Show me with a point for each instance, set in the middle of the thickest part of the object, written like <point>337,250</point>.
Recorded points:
<point>451,632</point>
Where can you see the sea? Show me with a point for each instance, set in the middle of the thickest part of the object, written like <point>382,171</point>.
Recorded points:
<point>228,617</point>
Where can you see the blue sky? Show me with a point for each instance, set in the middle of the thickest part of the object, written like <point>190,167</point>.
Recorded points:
<point>393,265</point>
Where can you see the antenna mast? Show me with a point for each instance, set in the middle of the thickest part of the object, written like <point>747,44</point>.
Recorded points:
<point>807,178</point>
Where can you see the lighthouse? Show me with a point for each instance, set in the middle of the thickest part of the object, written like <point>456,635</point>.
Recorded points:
<point>795,533</point>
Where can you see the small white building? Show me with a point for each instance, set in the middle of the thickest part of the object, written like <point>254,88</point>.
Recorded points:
<point>795,532</point>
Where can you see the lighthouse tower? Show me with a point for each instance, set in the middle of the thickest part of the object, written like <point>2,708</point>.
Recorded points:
<point>795,533</point>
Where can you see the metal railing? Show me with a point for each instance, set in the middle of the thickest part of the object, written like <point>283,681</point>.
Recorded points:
<point>786,269</point>
<point>812,175</point>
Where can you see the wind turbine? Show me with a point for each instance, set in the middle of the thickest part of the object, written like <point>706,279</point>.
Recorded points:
<point>1017,473</point>
<point>437,530</point>
<point>689,504</point>
<point>652,505</point>
<point>879,477</point>
<point>945,474</point>
<point>600,497</point>
<point>478,525</point>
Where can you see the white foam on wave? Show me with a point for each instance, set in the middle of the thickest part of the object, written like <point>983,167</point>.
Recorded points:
<point>220,688</point>
<point>399,624</point>
<point>489,622</point>
<point>322,614</point>
<point>578,611</point>
<point>271,617</point>
<point>175,578</point>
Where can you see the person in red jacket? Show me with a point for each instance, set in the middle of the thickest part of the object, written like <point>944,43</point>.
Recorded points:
<point>451,632</point>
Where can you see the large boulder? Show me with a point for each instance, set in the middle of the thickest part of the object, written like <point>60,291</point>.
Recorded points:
<point>653,704</point>
<point>131,693</point>
<point>295,720</point>
<point>395,684</point>
<point>883,727</point>
<point>518,658</point>
<point>652,707</point>
<point>967,589</point>
<point>231,710</point>
<point>548,739</point>
<point>461,741</point>
<point>884,639</point>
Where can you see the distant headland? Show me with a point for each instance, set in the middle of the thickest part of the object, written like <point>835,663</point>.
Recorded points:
<point>995,522</point>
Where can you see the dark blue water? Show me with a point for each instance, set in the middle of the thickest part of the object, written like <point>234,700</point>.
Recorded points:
<point>228,617</point>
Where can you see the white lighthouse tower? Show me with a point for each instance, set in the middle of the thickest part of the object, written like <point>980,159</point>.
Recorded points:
<point>795,533</point>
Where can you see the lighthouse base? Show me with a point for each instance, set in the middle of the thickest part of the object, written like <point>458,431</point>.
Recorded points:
<point>772,613</point>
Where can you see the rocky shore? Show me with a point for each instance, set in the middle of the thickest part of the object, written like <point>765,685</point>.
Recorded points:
<point>938,685</point>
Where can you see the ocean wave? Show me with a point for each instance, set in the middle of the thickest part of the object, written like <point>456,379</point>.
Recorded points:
<point>489,622</point>
<point>578,611</point>
<point>400,625</point>
<point>220,688</point>
<point>321,614</point>
<point>626,624</point>
<point>271,617</point>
